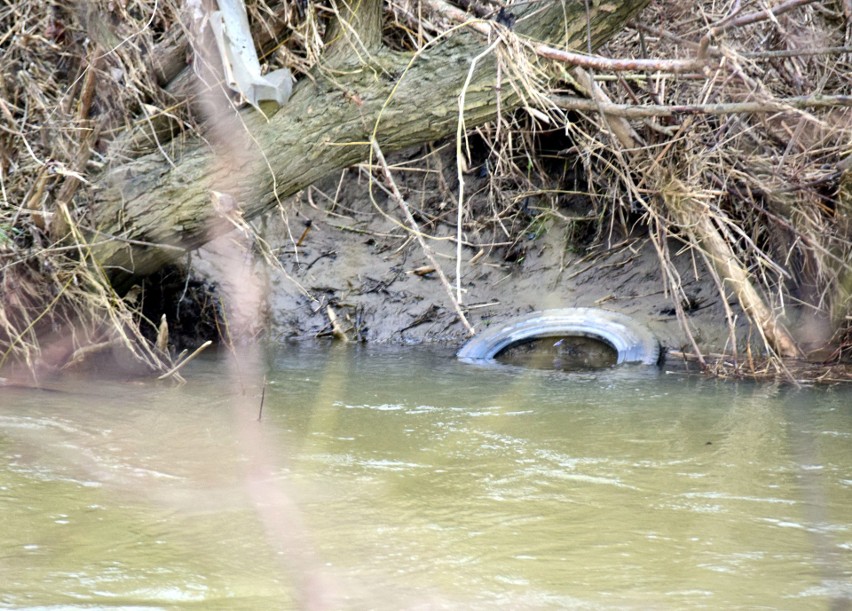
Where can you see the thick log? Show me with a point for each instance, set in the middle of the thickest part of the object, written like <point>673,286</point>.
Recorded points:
<point>146,212</point>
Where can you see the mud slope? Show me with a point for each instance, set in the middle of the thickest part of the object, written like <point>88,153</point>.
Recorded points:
<point>359,260</point>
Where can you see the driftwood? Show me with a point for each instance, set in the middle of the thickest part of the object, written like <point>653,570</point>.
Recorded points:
<point>145,212</point>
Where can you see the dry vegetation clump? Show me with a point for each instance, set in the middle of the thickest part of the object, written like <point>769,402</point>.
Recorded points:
<point>744,162</point>
<point>74,76</point>
<point>55,126</point>
<point>84,85</point>
<point>741,153</point>
<point>756,181</point>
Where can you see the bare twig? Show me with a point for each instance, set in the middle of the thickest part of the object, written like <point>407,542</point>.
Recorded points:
<point>59,228</point>
<point>662,110</point>
<point>336,328</point>
<point>383,164</point>
<point>185,361</point>
<point>594,62</point>
<point>262,398</point>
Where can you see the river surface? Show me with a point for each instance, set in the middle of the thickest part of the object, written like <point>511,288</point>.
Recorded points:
<point>398,478</point>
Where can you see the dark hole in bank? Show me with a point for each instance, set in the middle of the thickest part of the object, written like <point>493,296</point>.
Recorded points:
<point>561,352</point>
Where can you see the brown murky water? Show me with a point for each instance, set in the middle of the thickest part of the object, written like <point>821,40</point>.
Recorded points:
<point>562,353</point>
<point>401,479</point>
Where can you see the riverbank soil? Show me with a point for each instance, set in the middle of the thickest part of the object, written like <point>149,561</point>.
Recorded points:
<point>346,265</point>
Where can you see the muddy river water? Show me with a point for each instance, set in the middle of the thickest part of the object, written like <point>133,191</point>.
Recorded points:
<point>398,478</point>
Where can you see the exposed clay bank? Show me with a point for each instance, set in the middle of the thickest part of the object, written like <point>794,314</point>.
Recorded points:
<point>373,277</point>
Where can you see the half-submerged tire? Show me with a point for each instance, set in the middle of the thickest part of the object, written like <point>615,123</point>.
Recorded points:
<point>632,341</point>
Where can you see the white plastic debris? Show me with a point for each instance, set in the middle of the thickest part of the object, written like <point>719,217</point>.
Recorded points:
<point>242,66</point>
<point>194,8</point>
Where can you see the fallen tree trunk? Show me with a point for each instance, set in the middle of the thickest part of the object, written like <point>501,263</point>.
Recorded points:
<point>147,212</point>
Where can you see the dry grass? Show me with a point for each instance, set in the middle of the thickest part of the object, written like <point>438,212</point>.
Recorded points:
<point>83,85</point>
<point>56,309</point>
<point>766,179</point>
<point>771,182</point>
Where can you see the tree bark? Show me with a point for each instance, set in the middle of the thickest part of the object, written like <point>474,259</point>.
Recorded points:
<point>145,213</point>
